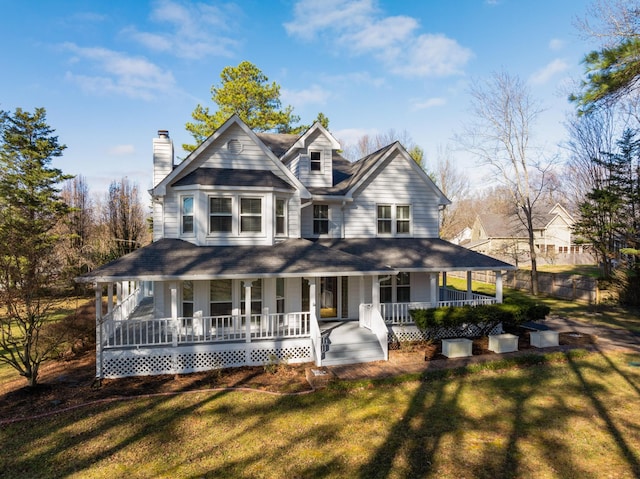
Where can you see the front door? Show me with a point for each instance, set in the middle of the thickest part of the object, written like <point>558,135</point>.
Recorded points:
<point>329,297</point>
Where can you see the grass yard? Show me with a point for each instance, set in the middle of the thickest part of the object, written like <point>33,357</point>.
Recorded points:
<point>575,418</point>
<point>601,314</point>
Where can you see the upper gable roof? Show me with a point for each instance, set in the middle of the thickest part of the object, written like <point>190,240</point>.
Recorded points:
<point>174,175</point>
<point>372,165</point>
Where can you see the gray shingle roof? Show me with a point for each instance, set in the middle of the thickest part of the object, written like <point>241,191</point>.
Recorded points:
<point>232,177</point>
<point>178,259</point>
<point>278,143</point>
<point>424,254</point>
<point>510,226</point>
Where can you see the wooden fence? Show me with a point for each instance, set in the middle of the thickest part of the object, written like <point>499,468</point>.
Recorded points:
<point>560,285</point>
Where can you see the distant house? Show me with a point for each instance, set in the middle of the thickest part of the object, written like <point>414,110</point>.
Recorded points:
<point>274,247</point>
<point>504,236</point>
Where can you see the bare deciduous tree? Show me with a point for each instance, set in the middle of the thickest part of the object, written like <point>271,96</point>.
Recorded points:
<point>455,186</point>
<point>124,217</point>
<point>499,136</point>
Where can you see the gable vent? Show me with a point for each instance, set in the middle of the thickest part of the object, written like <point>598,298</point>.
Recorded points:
<point>234,146</point>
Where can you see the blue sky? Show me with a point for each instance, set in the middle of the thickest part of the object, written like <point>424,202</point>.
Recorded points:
<point>112,73</point>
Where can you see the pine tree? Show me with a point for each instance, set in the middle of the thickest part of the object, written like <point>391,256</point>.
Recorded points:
<point>30,208</point>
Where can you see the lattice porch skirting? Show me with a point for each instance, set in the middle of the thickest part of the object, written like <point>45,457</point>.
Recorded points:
<point>410,332</point>
<point>201,357</point>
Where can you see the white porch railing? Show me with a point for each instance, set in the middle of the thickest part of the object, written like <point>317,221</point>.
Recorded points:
<point>128,305</point>
<point>203,329</point>
<point>371,319</point>
<point>398,313</point>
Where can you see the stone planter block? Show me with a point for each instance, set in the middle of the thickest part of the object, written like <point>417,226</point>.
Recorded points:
<point>503,343</point>
<point>544,339</point>
<point>457,347</point>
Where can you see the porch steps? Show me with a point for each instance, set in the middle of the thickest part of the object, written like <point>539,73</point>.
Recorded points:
<point>347,343</point>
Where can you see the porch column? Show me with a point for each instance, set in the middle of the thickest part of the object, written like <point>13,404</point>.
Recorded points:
<point>98,288</point>
<point>444,279</point>
<point>247,309</point>
<point>109,297</point>
<point>314,329</point>
<point>375,292</point>
<point>173,288</point>
<point>499,286</point>
<point>361,286</point>
<point>469,288</point>
<point>313,313</point>
<point>433,283</point>
<point>119,293</point>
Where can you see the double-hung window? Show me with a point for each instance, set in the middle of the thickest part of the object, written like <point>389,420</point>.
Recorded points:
<point>187,302</point>
<point>187,214</point>
<point>220,297</point>
<point>384,219</point>
<point>220,215</point>
<point>393,220</point>
<point>396,289</point>
<point>250,215</point>
<point>281,217</point>
<point>315,159</point>
<point>320,219</point>
<point>403,221</point>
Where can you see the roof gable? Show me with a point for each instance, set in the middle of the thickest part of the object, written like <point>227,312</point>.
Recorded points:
<point>307,137</point>
<point>372,165</point>
<point>192,159</point>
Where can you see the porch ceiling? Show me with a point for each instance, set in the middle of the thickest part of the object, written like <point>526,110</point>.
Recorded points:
<point>417,254</point>
<point>168,259</point>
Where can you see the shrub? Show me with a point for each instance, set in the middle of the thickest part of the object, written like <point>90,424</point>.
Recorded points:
<point>487,317</point>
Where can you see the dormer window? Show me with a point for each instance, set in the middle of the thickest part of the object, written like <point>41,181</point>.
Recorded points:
<point>316,160</point>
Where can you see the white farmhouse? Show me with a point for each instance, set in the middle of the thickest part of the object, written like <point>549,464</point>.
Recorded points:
<point>275,246</point>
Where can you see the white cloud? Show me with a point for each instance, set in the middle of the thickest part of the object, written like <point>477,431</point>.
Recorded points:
<point>116,72</point>
<point>315,95</point>
<point>312,17</point>
<point>556,44</point>
<point>548,71</point>
<point>350,136</point>
<point>359,28</point>
<point>433,55</point>
<point>195,30</point>
<point>429,103</point>
<point>121,150</point>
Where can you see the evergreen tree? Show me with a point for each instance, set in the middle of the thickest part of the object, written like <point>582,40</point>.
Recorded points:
<point>30,209</point>
<point>244,90</point>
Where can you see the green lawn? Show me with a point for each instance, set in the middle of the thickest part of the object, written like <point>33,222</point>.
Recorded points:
<point>601,314</point>
<point>575,418</point>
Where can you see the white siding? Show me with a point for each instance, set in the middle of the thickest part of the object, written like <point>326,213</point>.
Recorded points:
<point>420,287</point>
<point>318,142</point>
<point>335,221</point>
<point>397,184</point>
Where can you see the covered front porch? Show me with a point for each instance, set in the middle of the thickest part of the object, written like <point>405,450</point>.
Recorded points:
<point>135,337</point>
<point>174,307</point>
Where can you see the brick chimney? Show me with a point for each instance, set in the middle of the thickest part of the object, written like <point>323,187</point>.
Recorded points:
<point>162,156</point>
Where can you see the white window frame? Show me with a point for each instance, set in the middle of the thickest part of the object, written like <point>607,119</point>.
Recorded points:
<point>317,162</point>
<point>314,219</point>
<point>187,319</point>
<point>251,215</point>
<point>394,219</point>
<point>184,215</point>
<point>231,215</point>
<point>284,216</point>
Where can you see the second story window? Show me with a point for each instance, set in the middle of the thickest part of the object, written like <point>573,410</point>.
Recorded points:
<point>394,220</point>
<point>250,215</point>
<point>187,214</point>
<point>403,221</point>
<point>281,217</point>
<point>384,219</point>
<point>320,219</point>
<point>220,215</point>
<point>316,160</point>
